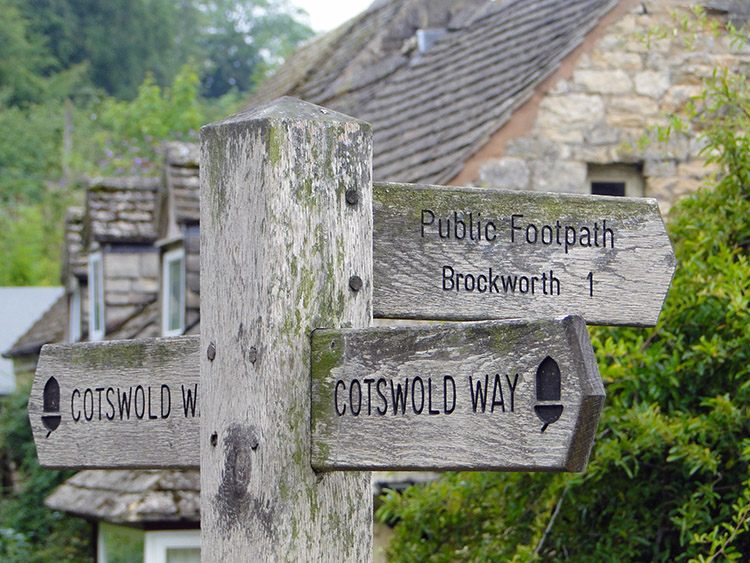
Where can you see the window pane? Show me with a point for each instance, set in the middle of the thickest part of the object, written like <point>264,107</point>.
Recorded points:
<point>122,544</point>
<point>184,555</point>
<point>175,291</point>
<point>608,188</point>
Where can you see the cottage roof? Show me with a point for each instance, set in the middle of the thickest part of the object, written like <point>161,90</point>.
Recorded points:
<point>74,255</point>
<point>130,496</point>
<point>48,329</point>
<point>432,110</point>
<point>182,180</point>
<point>121,210</point>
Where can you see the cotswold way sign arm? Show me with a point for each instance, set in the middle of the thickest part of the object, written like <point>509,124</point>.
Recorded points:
<point>119,404</point>
<point>477,253</point>
<point>500,396</point>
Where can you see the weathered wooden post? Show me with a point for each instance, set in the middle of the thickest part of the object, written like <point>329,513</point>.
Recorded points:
<point>286,246</point>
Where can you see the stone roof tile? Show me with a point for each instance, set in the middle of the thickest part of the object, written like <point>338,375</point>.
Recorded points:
<point>431,111</point>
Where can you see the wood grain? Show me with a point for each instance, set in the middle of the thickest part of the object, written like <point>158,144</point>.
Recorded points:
<point>476,254</point>
<point>279,244</point>
<point>129,403</point>
<point>467,397</point>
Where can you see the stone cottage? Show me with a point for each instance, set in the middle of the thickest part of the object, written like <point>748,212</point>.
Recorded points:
<point>518,94</point>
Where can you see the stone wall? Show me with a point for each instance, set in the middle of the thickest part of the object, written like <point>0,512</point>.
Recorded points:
<point>131,279</point>
<point>618,87</point>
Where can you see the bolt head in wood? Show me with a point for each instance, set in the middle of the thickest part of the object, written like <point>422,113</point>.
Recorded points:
<point>355,283</point>
<point>352,197</point>
<point>211,352</point>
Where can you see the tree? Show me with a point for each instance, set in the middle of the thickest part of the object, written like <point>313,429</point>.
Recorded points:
<point>243,41</point>
<point>669,475</point>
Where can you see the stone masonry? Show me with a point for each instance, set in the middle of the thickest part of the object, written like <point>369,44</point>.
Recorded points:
<point>616,91</point>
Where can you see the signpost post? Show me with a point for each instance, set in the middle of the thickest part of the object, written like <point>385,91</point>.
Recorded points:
<point>287,241</point>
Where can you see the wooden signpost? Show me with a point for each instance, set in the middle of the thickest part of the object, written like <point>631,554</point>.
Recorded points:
<point>287,241</point>
<point>477,396</point>
<point>475,253</point>
<point>130,403</point>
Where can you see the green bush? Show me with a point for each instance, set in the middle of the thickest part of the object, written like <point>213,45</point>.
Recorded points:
<point>668,478</point>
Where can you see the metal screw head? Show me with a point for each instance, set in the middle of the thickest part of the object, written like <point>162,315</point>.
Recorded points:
<point>355,283</point>
<point>214,439</point>
<point>211,352</point>
<point>352,197</point>
<point>252,355</point>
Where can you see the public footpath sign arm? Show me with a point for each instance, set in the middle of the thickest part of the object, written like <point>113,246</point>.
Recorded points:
<point>501,396</point>
<point>472,254</point>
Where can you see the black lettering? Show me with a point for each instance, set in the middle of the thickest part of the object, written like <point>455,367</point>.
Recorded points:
<point>497,387</point>
<point>529,231</point>
<point>554,283</point>
<point>509,283</point>
<point>478,395</point>
<point>447,230</point>
<point>425,213</point>
<point>512,388</point>
<point>111,404</point>
<point>446,269</point>
<point>570,238</point>
<point>359,397</point>
<point>468,277</point>
<point>124,402</point>
<point>88,415</point>
<point>547,229</point>
<point>99,391</point>
<point>607,231</point>
<point>369,382</point>
<point>341,412</point>
<point>414,394</point>
<point>446,379</point>
<point>169,401</point>
<point>456,223</point>
<point>150,416</point>
<point>487,226</point>
<point>430,410</point>
<point>382,397</point>
<point>481,283</point>
<point>143,402</point>
<point>73,411</point>
<point>189,401</point>
<point>585,232</point>
<point>493,282</point>
<point>399,394</point>
<point>520,284</point>
<point>513,226</point>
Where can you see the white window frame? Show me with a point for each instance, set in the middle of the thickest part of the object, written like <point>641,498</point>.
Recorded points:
<point>97,328</point>
<point>166,283</point>
<point>157,543</point>
<point>74,311</point>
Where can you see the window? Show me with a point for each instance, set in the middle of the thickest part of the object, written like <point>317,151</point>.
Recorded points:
<point>96,297</point>
<point>173,293</point>
<point>119,544</point>
<point>179,546</point>
<point>74,311</point>
<point>616,180</point>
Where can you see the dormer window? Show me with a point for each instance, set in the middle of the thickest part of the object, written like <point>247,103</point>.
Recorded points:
<point>74,311</point>
<point>173,292</point>
<point>96,297</point>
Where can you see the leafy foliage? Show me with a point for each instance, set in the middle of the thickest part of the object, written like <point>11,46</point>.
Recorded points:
<point>30,532</point>
<point>668,478</point>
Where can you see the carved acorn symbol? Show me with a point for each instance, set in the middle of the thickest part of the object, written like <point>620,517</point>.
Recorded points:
<point>51,411</point>
<point>548,389</point>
